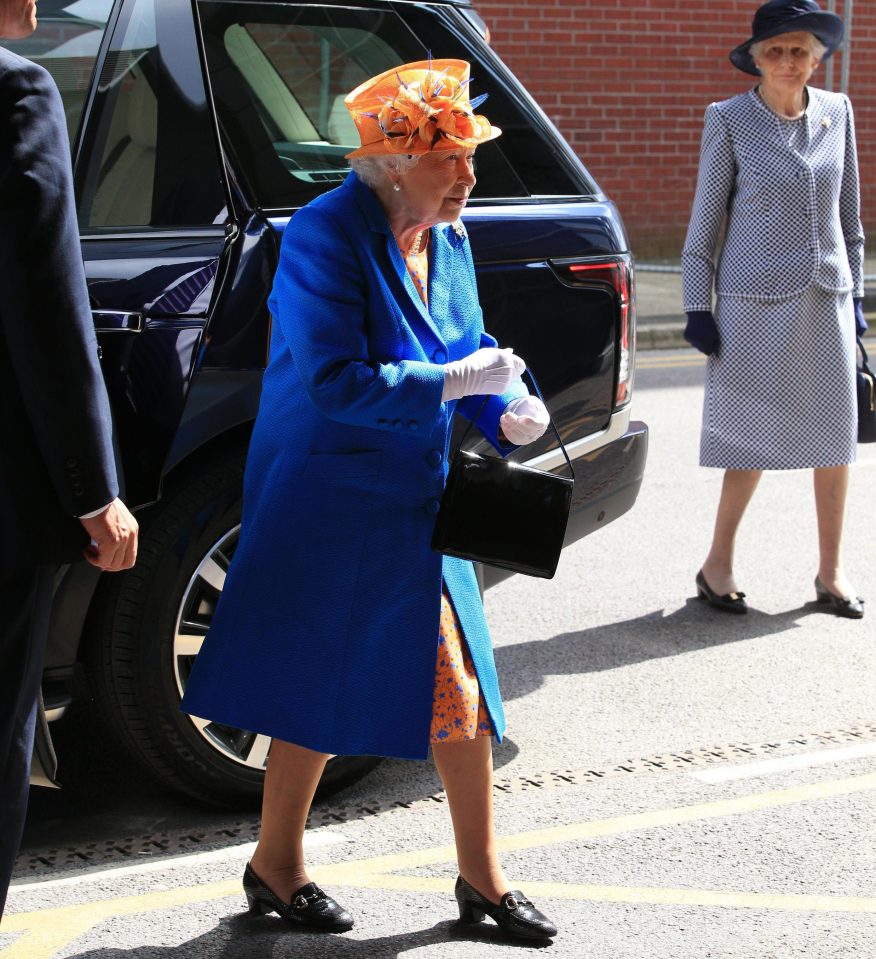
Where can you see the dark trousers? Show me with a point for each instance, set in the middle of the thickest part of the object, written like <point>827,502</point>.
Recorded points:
<point>25,601</point>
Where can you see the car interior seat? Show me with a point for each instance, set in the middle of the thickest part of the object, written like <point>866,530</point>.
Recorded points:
<point>124,194</point>
<point>341,127</point>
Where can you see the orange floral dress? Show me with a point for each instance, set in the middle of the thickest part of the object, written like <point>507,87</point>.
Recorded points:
<point>458,709</point>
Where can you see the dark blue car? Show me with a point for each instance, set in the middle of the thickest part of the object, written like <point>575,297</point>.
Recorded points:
<point>198,128</point>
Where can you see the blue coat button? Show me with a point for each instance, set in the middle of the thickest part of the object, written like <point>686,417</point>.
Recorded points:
<point>440,356</point>
<point>382,421</point>
<point>434,457</point>
<point>432,506</point>
<point>413,425</point>
<point>397,424</point>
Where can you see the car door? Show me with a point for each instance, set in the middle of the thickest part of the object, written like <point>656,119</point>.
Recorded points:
<point>155,225</point>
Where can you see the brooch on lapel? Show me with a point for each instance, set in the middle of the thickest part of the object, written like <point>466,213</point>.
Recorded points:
<point>825,122</point>
<point>458,228</point>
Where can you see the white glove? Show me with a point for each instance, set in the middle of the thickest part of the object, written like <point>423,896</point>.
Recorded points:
<point>524,420</point>
<point>488,370</point>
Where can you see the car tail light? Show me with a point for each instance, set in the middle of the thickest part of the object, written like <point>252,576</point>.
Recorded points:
<point>618,275</point>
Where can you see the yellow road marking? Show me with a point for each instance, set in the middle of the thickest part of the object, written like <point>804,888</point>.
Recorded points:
<point>46,931</point>
<point>617,825</point>
<point>646,895</point>
<point>655,362</point>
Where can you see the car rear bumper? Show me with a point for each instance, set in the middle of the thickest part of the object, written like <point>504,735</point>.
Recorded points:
<point>607,482</point>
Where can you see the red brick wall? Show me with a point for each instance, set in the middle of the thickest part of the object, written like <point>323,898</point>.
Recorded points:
<point>627,83</point>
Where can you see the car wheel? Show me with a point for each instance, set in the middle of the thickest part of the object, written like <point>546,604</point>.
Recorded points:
<point>145,628</point>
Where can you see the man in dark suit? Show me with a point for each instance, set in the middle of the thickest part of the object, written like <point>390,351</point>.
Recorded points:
<point>58,487</point>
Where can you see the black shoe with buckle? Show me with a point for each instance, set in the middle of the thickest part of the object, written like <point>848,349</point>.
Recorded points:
<point>309,907</point>
<point>728,603</point>
<point>515,914</point>
<point>846,606</point>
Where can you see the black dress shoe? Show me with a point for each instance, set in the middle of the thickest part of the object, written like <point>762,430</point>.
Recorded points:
<point>729,602</point>
<point>309,907</point>
<point>515,914</point>
<point>839,605</point>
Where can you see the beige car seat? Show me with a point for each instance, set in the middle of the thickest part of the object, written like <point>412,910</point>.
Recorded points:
<point>124,195</point>
<point>341,126</point>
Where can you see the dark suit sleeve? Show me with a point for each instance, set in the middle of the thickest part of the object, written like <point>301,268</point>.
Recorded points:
<point>45,317</point>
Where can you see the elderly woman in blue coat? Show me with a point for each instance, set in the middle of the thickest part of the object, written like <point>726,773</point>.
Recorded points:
<point>339,630</point>
<point>778,166</point>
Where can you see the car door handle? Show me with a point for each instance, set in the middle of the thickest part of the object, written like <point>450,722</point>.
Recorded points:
<point>117,321</point>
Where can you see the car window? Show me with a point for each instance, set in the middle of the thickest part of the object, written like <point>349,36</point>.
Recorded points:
<point>149,157</point>
<point>66,43</point>
<point>529,151</point>
<point>279,74</point>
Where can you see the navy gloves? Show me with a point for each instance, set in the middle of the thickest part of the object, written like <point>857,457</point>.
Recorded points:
<point>860,322</point>
<point>702,331</point>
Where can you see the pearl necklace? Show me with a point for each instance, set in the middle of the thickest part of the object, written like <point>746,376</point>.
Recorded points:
<point>418,244</point>
<point>778,113</point>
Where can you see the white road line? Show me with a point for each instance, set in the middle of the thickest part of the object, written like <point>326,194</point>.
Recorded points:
<point>783,764</point>
<point>243,851</point>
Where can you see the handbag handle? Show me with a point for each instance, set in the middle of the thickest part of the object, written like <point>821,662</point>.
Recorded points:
<point>528,373</point>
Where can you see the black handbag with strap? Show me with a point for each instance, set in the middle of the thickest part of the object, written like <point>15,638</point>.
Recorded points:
<point>866,399</point>
<point>502,513</point>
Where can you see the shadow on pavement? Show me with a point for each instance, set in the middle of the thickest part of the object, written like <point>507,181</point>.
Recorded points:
<point>653,636</point>
<point>245,937</point>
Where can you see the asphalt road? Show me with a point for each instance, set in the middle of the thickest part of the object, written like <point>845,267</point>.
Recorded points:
<point>675,783</point>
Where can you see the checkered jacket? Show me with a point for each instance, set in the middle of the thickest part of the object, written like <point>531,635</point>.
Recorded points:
<point>792,218</point>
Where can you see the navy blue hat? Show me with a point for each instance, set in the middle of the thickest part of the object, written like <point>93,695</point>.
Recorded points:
<point>788,16</point>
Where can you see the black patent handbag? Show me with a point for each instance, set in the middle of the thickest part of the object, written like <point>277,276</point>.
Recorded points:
<point>504,514</point>
<point>866,398</point>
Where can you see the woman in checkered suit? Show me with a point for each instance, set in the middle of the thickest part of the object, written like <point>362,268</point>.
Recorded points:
<point>778,170</point>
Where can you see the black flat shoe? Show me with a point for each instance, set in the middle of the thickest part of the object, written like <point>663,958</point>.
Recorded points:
<point>729,602</point>
<point>839,605</point>
<point>309,907</point>
<point>515,914</point>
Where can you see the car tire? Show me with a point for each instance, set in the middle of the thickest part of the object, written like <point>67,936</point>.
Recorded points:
<point>142,634</point>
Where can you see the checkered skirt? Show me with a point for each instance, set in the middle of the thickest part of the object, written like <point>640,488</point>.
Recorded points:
<point>780,394</point>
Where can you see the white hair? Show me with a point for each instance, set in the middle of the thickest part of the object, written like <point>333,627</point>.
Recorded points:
<point>816,47</point>
<point>373,170</point>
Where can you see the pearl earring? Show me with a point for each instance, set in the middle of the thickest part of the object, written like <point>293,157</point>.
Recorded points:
<point>396,187</point>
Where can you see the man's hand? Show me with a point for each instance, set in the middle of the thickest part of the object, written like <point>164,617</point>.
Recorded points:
<point>114,538</point>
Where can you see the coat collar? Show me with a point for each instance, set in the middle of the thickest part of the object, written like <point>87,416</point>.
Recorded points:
<point>816,118</point>
<point>440,271</point>
<point>446,240</point>
<point>368,203</point>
